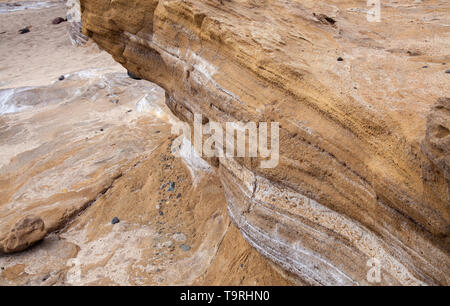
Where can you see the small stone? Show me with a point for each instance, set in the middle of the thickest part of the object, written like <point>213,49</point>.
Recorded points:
<point>425,67</point>
<point>115,220</point>
<point>340,59</point>
<point>58,20</point>
<point>178,195</point>
<point>171,186</point>
<point>447,71</point>
<point>25,30</point>
<point>133,76</point>
<point>61,78</point>
<point>161,213</point>
<point>101,130</point>
<point>185,247</point>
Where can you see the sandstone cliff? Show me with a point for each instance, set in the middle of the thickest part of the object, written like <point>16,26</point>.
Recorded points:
<point>364,140</point>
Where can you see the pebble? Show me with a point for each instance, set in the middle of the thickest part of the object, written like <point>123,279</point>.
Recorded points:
<point>115,220</point>
<point>185,247</point>
<point>133,76</point>
<point>61,78</point>
<point>58,20</point>
<point>340,59</point>
<point>24,30</point>
<point>171,186</point>
<point>178,195</point>
<point>447,71</point>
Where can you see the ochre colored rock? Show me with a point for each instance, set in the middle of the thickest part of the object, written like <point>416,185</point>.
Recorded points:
<point>25,233</point>
<point>363,174</point>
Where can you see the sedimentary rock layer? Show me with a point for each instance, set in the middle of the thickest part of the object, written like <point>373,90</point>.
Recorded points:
<point>364,140</point>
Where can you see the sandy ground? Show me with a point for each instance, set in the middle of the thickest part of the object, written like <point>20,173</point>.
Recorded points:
<point>42,55</point>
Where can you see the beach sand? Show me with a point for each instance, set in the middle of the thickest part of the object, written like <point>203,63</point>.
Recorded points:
<point>42,55</point>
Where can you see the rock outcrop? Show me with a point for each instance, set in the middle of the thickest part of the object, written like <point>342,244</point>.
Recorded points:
<point>362,175</point>
<point>65,144</point>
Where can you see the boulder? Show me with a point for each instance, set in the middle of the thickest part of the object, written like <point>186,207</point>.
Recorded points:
<point>23,234</point>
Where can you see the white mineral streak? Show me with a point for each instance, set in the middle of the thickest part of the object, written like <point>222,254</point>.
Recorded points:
<point>302,259</point>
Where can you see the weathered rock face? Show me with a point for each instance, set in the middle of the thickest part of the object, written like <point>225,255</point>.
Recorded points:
<point>364,146</point>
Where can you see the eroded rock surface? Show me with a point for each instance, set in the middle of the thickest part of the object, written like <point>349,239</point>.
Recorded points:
<point>64,144</point>
<point>362,174</point>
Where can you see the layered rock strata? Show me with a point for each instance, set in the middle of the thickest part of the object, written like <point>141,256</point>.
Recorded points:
<point>363,112</point>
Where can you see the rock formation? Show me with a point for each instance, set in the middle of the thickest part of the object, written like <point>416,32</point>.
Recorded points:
<point>363,173</point>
